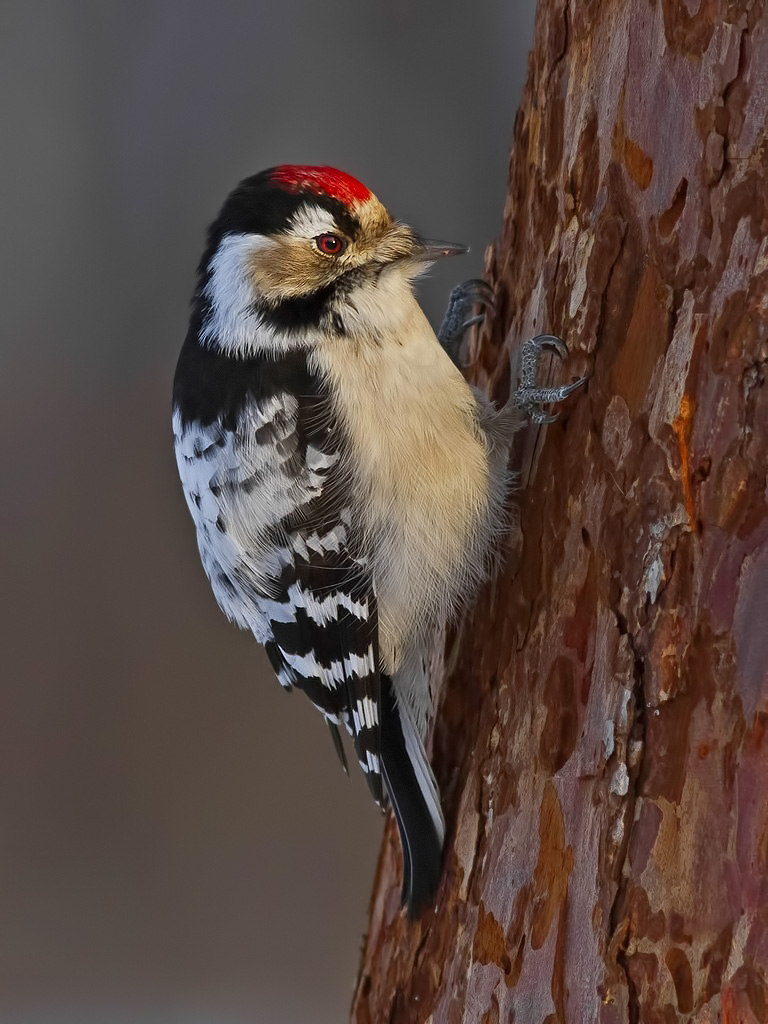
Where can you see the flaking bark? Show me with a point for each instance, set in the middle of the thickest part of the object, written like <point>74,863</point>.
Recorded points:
<point>601,730</point>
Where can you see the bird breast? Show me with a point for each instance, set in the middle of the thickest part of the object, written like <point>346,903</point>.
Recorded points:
<point>421,468</point>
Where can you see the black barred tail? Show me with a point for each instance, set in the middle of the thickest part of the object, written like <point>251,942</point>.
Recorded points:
<point>415,799</point>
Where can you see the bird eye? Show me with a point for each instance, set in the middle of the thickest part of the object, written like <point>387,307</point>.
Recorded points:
<point>331,245</point>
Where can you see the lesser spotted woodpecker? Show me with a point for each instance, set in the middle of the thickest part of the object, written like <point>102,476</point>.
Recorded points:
<point>346,484</point>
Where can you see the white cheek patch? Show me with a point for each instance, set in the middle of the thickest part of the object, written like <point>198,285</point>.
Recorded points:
<point>311,221</point>
<point>230,292</point>
<point>233,326</point>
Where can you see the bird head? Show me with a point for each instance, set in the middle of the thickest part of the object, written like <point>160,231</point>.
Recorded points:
<point>297,250</point>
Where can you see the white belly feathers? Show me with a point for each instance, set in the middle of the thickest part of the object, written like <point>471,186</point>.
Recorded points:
<point>422,464</point>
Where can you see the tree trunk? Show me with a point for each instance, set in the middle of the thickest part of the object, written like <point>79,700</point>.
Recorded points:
<point>601,727</point>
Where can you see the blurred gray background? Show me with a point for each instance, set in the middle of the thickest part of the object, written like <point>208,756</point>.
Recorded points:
<point>177,841</point>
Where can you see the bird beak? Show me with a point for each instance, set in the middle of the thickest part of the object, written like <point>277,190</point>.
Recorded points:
<point>401,243</point>
<point>430,250</point>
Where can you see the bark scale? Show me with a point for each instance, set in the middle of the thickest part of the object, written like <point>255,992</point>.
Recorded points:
<point>601,739</point>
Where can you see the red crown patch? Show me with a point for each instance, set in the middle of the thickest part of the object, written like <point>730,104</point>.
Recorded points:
<point>323,181</point>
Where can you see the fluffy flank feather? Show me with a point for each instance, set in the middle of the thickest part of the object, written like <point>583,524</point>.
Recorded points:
<point>432,509</point>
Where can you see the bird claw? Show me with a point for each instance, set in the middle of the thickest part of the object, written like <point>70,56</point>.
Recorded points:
<point>543,341</point>
<point>473,320</point>
<point>529,396</point>
<point>458,318</point>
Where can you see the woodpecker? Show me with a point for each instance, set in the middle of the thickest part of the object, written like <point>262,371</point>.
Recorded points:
<point>347,485</point>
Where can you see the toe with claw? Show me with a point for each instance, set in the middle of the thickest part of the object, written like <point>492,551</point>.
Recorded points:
<point>529,396</point>
<point>460,314</point>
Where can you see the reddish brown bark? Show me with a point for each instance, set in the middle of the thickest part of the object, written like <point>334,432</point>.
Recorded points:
<point>601,732</point>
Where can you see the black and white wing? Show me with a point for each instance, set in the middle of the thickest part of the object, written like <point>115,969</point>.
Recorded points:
<point>266,481</point>
<point>324,629</point>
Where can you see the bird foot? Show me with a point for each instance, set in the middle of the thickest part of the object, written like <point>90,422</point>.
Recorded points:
<point>459,315</point>
<point>529,396</point>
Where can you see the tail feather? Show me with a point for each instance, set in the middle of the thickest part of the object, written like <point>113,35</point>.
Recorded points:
<point>415,799</point>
